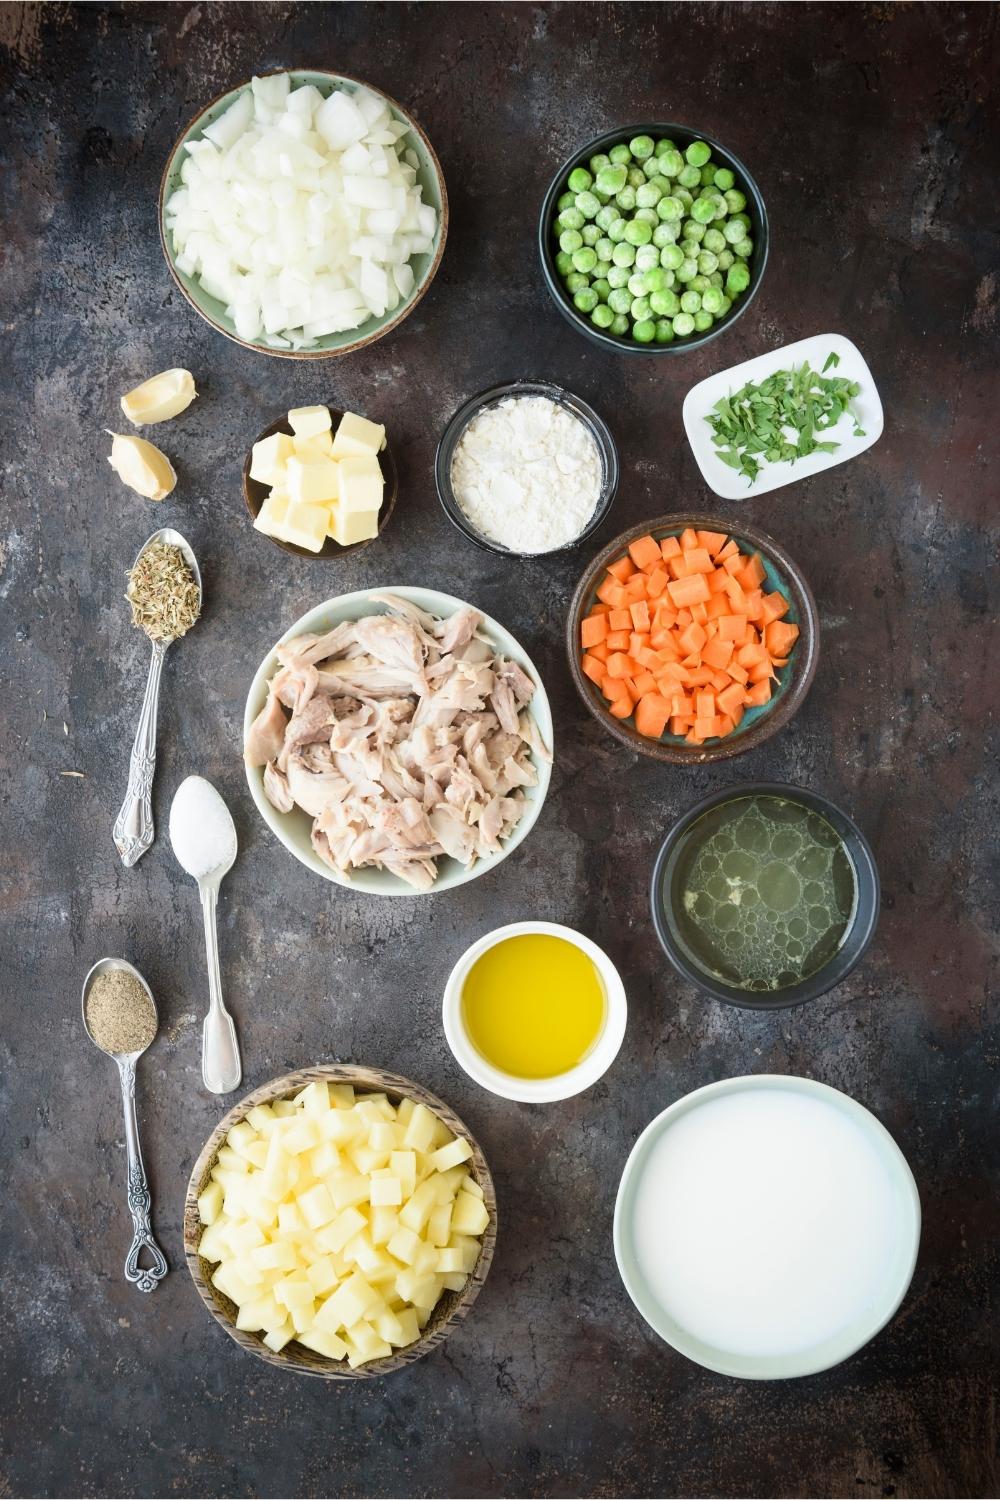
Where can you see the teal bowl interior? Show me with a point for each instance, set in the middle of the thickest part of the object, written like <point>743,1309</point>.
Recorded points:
<point>429,175</point>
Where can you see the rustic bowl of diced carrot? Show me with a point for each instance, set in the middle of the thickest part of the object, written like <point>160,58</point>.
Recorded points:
<point>692,641</point>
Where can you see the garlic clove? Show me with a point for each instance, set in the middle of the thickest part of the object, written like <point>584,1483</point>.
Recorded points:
<point>158,399</point>
<point>141,466</point>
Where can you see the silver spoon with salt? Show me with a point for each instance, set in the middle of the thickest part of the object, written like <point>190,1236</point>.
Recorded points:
<point>146,1278</point>
<point>203,837</point>
<point>134,832</point>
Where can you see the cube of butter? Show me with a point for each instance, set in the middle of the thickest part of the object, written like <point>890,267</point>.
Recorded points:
<point>357,435</point>
<point>361,483</point>
<point>309,421</point>
<point>312,481</point>
<point>269,456</point>
<point>271,516</point>
<point>306,525</point>
<point>357,526</point>
<point>320,446</point>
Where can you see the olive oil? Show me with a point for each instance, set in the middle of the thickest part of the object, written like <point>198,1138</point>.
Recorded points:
<point>533,1005</point>
<point>763,892</point>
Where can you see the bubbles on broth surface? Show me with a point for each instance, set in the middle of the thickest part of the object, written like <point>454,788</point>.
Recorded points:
<point>763,892</point>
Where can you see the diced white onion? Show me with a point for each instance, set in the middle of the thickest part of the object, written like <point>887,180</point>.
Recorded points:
<point>299,213</point>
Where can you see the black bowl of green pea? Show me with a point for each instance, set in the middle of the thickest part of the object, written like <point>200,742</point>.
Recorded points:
<point>653,239</point>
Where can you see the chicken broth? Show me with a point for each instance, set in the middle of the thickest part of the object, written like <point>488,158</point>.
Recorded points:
<point>534,1005</point>
<point>763,892</point>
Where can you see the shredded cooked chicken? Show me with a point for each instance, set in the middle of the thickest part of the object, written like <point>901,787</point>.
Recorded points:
<point>404,737</point>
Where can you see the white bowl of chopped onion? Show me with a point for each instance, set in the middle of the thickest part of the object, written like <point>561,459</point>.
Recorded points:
<point>295,828</point>
<point>303,214</point>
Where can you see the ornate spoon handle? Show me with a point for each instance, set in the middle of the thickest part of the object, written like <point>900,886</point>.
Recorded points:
<point>138,1194</point>
<point>133,831</point>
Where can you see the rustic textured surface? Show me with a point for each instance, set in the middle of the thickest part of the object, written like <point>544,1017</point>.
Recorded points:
<point>874,134</point>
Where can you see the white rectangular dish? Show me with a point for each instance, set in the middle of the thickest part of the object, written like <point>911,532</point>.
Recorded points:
<point>701,398</point>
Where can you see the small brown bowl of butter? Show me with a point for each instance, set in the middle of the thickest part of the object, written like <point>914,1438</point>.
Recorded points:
<point>320,482</point>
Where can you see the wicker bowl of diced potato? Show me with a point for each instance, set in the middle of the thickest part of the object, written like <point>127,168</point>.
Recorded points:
<point>340,1222</point>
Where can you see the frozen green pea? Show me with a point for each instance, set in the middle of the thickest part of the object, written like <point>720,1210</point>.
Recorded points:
<point>691,249</point>
<point>686,270</point>
<point>671,277</point>
<point>707,263</point>
<point>637,284</point>
<point>588,205</point>
<point>714,240</point>
<point>620,300</point>
<point>664,331</point>
<point>626,199</point>
<point>671,163</point>
<point>683,324</point>
<point>690,177</point>
<point>598,162</point>
<point>690,302</point>
<point>620,325</point>
<point>646,257</point>
<point>570,218</point>
<point>651,167</point>
<point>618,276</point>
<point>640,309</point>
<point>602,287</point>
<point>616,229</point>
<point>699,283</point>
<point>564,263</point>
<point>602,316</point>
<point>565,200</point>
<point>735,200</point>
<point>620,155</point>
<point>707,176</point>
<point>665,303</point>
<point>743,248</point>
<point>724,179</point>
<point>585,300</point>
<point>694,230</point>
<point>638,233</point>
<point>585,259</point>
<point>698,153</point>
<point>664,234</point>
<point>711,301</point>
<point>605,248</point>
<point>570,240</point>
<point>646,216</point>
<point>702,210</point>
<point>641,147</point>
<point>738,279</point>
<point>577,282</point>
<point>590,234</point>
<point>727,303</point>
<point>663,146</point>
<point>655,278</point>
<point>670,209</point>
<point>648,196</point>
<point>607,216</point>
<point>702,321</point>
<point>611,180</point>
<point>644,332</point>
<point>579,180</point>
<point>726,258</point>
<point>685,197</point>
<point>733,231</point>
<point>661,183</point>
<point>671,257</point>
<point>715,279</point>
<point>636,176</point>
<point>624,254</point>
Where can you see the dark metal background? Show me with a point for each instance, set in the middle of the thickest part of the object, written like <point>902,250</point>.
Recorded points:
<point>873,131</point>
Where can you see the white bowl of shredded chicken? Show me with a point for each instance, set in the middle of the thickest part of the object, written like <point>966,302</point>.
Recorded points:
<point>398,741</point>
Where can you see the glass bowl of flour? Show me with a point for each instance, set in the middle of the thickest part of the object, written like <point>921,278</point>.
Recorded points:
<point>526,468</point>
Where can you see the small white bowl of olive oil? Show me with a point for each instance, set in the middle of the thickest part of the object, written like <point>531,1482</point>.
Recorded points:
<point>534,1012</point>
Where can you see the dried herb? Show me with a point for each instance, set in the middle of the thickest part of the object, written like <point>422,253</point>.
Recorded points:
<point>778,419</point>
<point>120,1015</point>
<point>163,593</point>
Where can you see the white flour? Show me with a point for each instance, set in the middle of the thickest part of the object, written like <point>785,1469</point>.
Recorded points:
<point>527,474</point>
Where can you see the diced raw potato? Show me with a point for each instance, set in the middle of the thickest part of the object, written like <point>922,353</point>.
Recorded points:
<point>212,1245</point>
<point>417,1210</point>
<point>323,1159</point>
<point>293,1290</point>
<point>341,1126</point>
<point>386,1190</point>
<point>383,1225</point>
<point>347,1224</point>
<point>283,1108</point>
<point>422,1290</point>
<point>450,1261</point>
<point>404,1110</point>
<point>300,1136</point>
<point>280,1337</point>
<point>420,1129</point>
<point>250,1318</point>
<point>245,1271</point>
<point>451,1155</point>
<point>261,1117</point>
<point>274,1257</point>
<point>210,1203</point>
<point>342,1095</point>
<point>317,1206</point>
<point>347,1189</point>
<point>368,1161</point>
<point>455,1282</point>
<point>470,1185</point>
<point>404,1245</point>
<point>290,1220</point>
<point>385,1136</point>
<point>469,1247</point>
<point>469,1215</point>
<point>302,1315</point>
<point>231,1160</point>
<point>426,1259</point>
<point>389,1328</point>
<point>245,1237</point>
<point>322,1275</point>
<point>439,1225</point>
<point>241,1136</point>
<point>226,1280</point>
<point>316,1096</point>
<point>348,1304</point>
<point>403,1164</point>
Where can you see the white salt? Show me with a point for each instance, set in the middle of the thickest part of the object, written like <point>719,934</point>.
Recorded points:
<point>202,832</point>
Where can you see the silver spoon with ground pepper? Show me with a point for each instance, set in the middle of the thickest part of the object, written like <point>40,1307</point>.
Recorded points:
<point>119,1016</point>
<point>164,590</point>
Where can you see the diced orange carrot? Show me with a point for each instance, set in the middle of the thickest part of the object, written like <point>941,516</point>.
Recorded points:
<point>612,592</point>
<point>720,680</point>
<point>698,560</point>
<point>717,652</point>
<point>635,588</point>
<point>617,640</point>
<point>600,651</point>
<point>622,569</point>
<point>619,619</point>
<point>707,728</point>
<point>752,575</point>
<point>681,703</point>
<point>657,583</point>
<point>593,630</point>
<point>645,682</point>
<point>680,723</point>
<point>666,618</point>
<point>694,660</point>
<point>689,539</point>
<point>651,715</point>
<point>749,656</point>
<point>729,550</point>
<point>677,566</point>
<point>732,565</point>
<point>731,627</point>
<point>737,598</point>
<point>686,591</point>
<point>761,670</point>
<point>645,552</point>
<point>737,673</point>
<point>647,657</point>
<point>726,726</point>
<point>637,639</point>
<point>684,617</point>
<point>674,671</point>
<point>669,546</point>
<point>699,612</point>
<point>614,687</point>
<point>712,541</point>
<point>693,739</point>
<point>692,638</point>
<point>754,604</point>
<point>717,583</point>
<point>776,606</point>
<point>620,708</point>
<point>779,661</point>
<point>730,699</point>
<point>779,637</point>
<point>619,664</point>
<point>593,668</point>
<point>640,614</point>
<point>704,705</point>
<point>760,693</point>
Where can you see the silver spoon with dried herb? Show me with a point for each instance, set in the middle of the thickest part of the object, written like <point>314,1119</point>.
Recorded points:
<point>119,1016</point>
<point>164,590</point>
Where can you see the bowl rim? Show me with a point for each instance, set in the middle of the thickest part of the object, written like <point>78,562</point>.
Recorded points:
<point>747,1367</point>
<point>471,408</point>
<point>550,275</point>
<point>407,305</point>
<point>858,935</point>
<point>536,1090</point>
<point>387,461</point>
<point>803,665</point>
<point>430,599</point>
<point>305,1361</point>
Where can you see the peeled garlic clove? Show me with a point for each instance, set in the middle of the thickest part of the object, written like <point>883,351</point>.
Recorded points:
<point>160,398</point>
<point>141,466</point>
